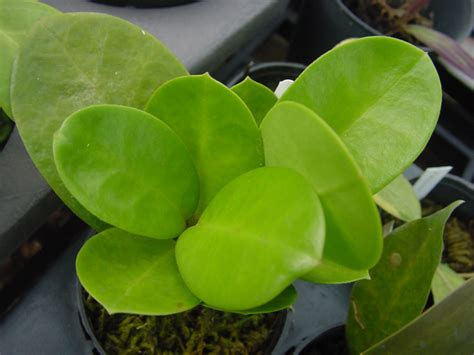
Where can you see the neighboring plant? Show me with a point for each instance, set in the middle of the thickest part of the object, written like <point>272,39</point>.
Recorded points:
<point>217,196</point>
<point>408,19</point>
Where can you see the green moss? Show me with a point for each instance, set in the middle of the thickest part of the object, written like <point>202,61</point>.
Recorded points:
<point>198,331</point>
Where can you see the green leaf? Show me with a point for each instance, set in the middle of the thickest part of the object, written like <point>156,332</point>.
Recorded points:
<point>283,301</point>
<point>18,17</point>
<point>260,233</point>
<point>16,20</point>
<point>128,168</point>
<point>329,272</point>
<point>127,273</point>
<point>401,281</point>
<point>399,199</point>
<point>381,95</point>
<point>258,98</point>
<point>296,138</point>
<point>445,328</point>
<point>9,50</point>
<point>445,281</point>
<point>71,61</point>
<point>215,125</point>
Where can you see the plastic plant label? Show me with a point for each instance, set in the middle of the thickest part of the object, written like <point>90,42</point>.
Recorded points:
<point>282,87</point>
<point>429,179</point>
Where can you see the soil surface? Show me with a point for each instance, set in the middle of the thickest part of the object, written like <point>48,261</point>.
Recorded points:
<point>198,331</point>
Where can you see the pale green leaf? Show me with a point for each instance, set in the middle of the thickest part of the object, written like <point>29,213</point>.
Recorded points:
<point>445,281</point>
<point>399,199</point>
<point>258,235</point>
<point>16,20</point>
<point>18,17</point>
<point>127,273</point>
<point>381,95</point>
<point>296,138</point>
<point>400,284</point>
<point>128,168</point>
<point>283,301</point>
<point>71,61</point>
<point>215,125</point>
<point>258,98</point>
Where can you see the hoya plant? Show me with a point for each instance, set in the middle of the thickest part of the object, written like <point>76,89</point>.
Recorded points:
<point>202,194</point>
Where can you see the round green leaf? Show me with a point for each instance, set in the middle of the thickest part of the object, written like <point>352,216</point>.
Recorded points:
<point>18,17</point>
<point>296,138</point>
<point>381,95</point>
<point>260,233</point>
<point>258,98</point>
<point>127,273</point>
<point>283,301</point>
<point>16,20</point>
<point>128,168</point>
<point>215,125</point>
<point>71,61</point>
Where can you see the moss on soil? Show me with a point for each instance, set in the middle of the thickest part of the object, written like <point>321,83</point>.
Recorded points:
<point>198,331</point>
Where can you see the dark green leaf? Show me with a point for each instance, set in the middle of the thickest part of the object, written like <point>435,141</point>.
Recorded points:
<point>445,328</point>
<point>400,284</point>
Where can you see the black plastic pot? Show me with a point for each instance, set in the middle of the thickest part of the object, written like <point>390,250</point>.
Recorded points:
<point>269,73</point>
<point>144,3</point>
<point>325,23</point>
<point>26,200</point>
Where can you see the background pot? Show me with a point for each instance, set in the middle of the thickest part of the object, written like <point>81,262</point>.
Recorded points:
<point>144,3</point>
<point>269,73</point>
<point>325,23</point>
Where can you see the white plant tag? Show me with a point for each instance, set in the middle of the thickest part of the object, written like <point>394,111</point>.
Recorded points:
<point>388,228</point>
<point>282,87</point>
<point>429,179</point>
